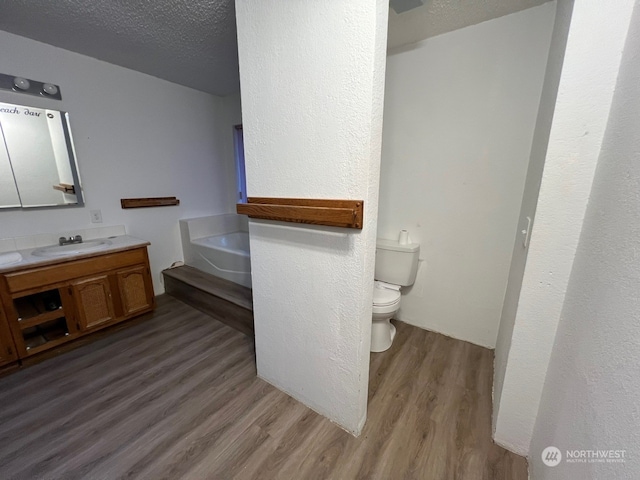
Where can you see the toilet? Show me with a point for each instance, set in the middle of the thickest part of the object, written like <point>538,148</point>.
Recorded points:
<point>396,267</point>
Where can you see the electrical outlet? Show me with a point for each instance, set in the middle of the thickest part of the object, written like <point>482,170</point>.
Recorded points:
<point>96,216</point>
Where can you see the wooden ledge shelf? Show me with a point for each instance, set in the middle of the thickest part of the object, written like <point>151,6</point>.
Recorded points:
<point>148,202</point>
<point>333,213</point>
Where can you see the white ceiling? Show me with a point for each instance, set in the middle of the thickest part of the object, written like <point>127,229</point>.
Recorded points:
<point>193,42</point>
<point>190,42</point>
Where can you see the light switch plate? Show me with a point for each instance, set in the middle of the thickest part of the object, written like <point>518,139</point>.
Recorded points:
<point>527,233</point>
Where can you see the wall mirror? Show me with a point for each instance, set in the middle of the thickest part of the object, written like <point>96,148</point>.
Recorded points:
<point>37,162</point>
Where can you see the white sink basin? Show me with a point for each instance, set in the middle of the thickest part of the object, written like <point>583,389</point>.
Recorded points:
<point>10,258</point>
<point>73,249</point>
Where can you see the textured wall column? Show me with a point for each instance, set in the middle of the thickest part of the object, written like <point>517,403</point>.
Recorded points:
<point>312,83</point>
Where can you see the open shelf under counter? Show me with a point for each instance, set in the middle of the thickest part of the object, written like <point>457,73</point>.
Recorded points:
<point>45,335</point>
<point>38,308</point>
<point>41,318</point>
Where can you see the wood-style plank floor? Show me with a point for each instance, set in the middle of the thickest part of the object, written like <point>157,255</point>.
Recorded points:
<point>177,397</point>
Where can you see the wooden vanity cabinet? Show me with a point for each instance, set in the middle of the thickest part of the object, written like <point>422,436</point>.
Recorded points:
<point>49,305</point>
<point>96,304</point>
<point>8,352</point>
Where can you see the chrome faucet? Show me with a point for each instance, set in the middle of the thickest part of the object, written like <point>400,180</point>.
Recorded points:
<point>70,240</point>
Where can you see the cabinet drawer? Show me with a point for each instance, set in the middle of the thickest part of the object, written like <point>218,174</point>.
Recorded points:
<point>32,280</point>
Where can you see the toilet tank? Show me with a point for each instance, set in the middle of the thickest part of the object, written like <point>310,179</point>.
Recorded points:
<point>395,263</point>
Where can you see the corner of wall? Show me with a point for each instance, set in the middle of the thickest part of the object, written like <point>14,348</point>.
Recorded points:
<point>537,158</point>
<point>593,53</point>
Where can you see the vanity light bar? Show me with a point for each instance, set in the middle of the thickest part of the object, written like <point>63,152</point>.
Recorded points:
<point>32,87</point>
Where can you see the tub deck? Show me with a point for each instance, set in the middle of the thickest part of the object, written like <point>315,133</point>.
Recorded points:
<point>221,299</point>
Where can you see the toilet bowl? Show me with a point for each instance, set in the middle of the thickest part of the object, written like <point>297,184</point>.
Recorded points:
<point>386,302</point>
<point>396,267</point>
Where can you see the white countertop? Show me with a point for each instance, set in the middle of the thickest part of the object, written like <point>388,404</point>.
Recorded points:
<point>117,243</point>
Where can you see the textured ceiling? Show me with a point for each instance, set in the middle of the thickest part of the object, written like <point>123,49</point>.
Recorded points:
<point>190,42</point>
<point>193,42</point>
<point>441,16</point>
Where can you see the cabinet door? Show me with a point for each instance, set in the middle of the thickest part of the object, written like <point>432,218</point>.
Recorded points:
<point>135,289</point>
<point>8,351</point>
<point>94,304</point>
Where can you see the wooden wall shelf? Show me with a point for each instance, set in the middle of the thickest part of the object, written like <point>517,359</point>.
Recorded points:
<point>65,188</point>
<point>148,202</point>
<point>334,213</point>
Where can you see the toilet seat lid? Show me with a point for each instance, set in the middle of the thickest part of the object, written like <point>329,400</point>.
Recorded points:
<point>385,296</point>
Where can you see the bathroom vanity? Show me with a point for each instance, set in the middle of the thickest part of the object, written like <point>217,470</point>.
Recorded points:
<point>48,300</point>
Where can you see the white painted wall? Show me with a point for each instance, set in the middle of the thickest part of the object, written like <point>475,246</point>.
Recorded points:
<point>530,195</point>
<point>460,111</point>
<point>435,17</point>
<point>592,59</point>
<point>590,398</point>
<point>312,82</point>
<point>135,136</point>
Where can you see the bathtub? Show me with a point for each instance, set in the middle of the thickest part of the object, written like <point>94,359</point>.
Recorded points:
<point>218,245</point>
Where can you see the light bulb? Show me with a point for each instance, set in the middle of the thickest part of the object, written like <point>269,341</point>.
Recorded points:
<point>50,89</point>
<point>21,83</point>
